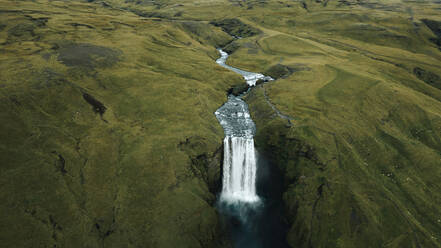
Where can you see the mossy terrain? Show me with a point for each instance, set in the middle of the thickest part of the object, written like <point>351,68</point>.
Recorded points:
<point>362,151</point>
<point>108,137</point>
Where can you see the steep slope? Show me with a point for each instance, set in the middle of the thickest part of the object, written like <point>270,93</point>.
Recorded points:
<point>360,146</point>
<point>108,137</point>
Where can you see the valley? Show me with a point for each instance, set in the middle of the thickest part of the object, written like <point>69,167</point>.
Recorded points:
<point>109,136</point>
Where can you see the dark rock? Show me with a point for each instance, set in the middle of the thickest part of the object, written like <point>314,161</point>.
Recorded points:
<point>305,6</point>
<point>279,71</point>
<point>39,22</point>
<point>261,81</point>
<point>98,107</point>
<point>320,190</point>
<point>81,25</point>
<point>239,89</point>
<point>282,71</point>
<point>204,165</point>
<point>436,41</point>
<point>231,47</point>
<point>428,77</point>
<point>435,27</point>
<point>347,2</point>
<point>106,5</point>
<point>61,163</point>
<point>280,149</point>
<point>236,28</point>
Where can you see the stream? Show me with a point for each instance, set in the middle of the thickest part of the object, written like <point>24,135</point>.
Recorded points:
<point>251,194</point>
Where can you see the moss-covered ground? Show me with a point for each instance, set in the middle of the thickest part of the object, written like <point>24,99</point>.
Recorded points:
<point>108,137</point>
<point>362,152</point>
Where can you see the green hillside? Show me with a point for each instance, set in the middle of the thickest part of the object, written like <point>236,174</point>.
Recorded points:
<point>108,137</point>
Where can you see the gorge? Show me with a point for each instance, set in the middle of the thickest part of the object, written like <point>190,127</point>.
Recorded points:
<point>118,129</point>
<point>254,219</point>
<point>239,167</point>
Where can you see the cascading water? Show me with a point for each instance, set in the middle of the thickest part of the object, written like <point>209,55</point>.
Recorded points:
<point>240,167</point>
<point>255,222</point>
<point>239,173</point>
<point>250,77</point>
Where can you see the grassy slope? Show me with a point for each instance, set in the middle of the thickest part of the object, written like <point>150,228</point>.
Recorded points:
<point>362,158</point>
<point>140,174</point>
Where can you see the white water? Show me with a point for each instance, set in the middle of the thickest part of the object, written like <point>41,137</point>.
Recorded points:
<point>261,224</point>
<point>239,182</point>
<point>250,77</point>
<point>239,167</point>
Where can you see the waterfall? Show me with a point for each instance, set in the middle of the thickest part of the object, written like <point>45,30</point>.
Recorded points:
<point>240,167</point>
<point>255,221</point>
<point>239,181</point>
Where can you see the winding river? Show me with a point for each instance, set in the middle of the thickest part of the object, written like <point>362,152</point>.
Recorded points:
<point>254,220</point>
<point>240,166</point>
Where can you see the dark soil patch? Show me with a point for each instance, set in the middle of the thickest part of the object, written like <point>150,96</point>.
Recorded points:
<point>87,55</point>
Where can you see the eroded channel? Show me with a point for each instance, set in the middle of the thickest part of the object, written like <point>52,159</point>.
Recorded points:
<point>249,200</point>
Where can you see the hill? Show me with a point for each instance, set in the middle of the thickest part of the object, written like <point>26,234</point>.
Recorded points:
<point>108,137</point>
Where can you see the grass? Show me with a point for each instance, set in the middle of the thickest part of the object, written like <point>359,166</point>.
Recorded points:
<point>361,156</point>
<point>75,178</point>
<point>373,178</point>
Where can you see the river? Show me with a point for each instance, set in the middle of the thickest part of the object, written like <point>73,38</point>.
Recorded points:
<point>254,221</point>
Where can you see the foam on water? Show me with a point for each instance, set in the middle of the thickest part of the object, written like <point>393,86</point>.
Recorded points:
<point>250,77</point>
<point>240,166</point>
<point>254,220</point>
